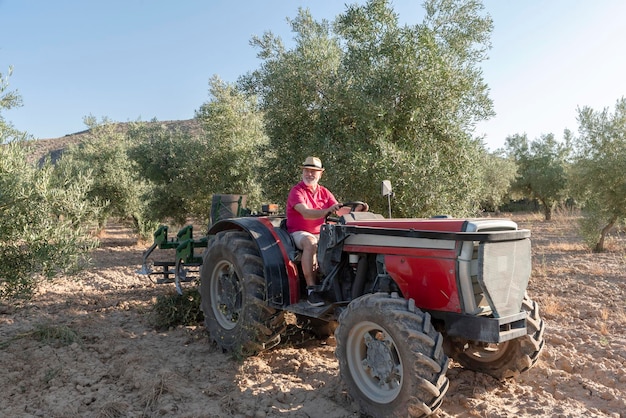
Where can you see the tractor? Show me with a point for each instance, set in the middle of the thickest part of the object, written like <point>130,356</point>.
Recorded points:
<point>403,297</point>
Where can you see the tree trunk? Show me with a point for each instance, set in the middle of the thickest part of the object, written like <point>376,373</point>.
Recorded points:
<point>600,244</point>
<point>547,210</point>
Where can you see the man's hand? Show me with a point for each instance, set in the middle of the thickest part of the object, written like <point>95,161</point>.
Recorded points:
<point>357,206</point>
<point>333,208</point>
<point>362,207</point>
<point>315,213</point>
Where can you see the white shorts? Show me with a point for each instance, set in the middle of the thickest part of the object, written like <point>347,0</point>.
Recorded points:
<point>299,235</point>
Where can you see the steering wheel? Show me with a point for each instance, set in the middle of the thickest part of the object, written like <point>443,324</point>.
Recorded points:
<point>354,204</point>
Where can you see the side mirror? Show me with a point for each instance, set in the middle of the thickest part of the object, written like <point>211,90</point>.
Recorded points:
<point>387,192</point>
<point>386,188</point>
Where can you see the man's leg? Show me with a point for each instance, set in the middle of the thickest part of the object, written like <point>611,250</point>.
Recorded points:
<point>308,244</point>
<point>309,250</point>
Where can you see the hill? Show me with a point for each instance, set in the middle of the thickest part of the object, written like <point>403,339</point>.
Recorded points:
<point>54,147</point>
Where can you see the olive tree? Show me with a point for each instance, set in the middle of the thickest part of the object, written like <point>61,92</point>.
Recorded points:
<point>44,222</point>
<point>499,173</point>
<point>116,188</point>
<point>378,100</point>
<point>599,171</point>
<point>234,133</point>
<point>165,159</point>
<point>542,169</point>
<point>8,100</point>
<point>186,168</point>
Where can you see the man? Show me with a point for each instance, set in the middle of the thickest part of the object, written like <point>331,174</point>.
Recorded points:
<point>308,204</point>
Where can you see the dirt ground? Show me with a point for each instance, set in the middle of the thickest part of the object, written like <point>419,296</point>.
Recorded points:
<point>85,348</point>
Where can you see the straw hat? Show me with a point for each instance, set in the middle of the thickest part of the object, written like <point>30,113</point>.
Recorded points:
<point>313,163</point>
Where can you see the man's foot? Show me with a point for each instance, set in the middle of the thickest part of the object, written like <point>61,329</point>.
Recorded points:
<point>315,299</point>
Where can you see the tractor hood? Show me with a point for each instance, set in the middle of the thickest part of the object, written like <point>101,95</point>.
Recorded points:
<point>430,224</point>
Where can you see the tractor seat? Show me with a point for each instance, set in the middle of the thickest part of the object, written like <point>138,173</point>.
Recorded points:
<point>292,251</point>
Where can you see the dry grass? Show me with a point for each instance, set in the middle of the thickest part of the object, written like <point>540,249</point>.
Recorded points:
<point>113,410</point>
<point>48,334</point>
<point>158,389</point>
<point>172,309</point>
<point>566,247</point>
<point>552,306</point>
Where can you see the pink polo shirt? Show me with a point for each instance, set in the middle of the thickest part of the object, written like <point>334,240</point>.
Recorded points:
<point>322,198</point>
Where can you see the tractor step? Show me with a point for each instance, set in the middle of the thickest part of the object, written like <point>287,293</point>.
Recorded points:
<point>325,312</point>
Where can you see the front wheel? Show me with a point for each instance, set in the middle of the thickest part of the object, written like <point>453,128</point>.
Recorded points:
<point>390,357</point>
<point>507,359</point>
<point>232,288</point>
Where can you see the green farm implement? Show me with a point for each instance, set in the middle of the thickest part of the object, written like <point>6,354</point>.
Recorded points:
<point>187,249</point>
<point>186,263</point>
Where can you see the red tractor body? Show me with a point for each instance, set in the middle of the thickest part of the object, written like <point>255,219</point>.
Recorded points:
<point>421,267</point>
<point>403,295</point>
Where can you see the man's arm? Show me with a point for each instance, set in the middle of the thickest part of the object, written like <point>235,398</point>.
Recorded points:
<point>308,213</point>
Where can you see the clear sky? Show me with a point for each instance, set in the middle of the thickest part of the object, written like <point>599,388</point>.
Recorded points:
<point>133,60</point>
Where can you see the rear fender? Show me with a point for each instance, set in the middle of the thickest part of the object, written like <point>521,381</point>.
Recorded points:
<point>281,274</point>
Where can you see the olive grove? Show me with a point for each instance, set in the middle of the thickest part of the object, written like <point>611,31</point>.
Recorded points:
<point>378,100</point>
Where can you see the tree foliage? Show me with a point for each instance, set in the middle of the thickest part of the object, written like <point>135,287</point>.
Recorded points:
<point>542,169</point>
<point>102,155</point>
<point>8,100</point>
<point>599,171</point>
<point>44,222</point>
<point>164,158</point>
<point>234,133</point>
<point>499,173</point>
<point>187,169</point>
<point>376,100</point>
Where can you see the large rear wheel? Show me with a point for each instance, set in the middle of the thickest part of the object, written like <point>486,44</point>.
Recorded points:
<point>507,359</point>
<point>390,357</point>
<point>233,290</point>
